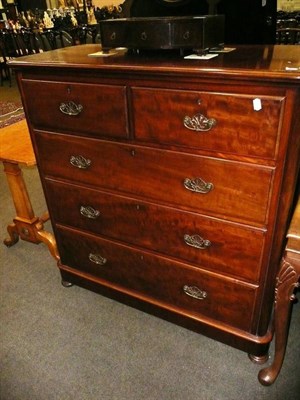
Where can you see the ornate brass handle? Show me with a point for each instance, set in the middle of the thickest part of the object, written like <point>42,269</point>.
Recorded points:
<point>97,259</point>
<point>70,108</point>
<point>198,185</point>
<point>196,241</point>
<point>199,123</point>
<point>89,212</point>
<point>80,162</point>
<point>195,292</point>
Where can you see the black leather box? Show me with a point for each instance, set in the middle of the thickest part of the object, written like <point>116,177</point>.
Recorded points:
<point>198,33</point>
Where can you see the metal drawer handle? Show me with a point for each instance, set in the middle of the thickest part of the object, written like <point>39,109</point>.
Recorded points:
<point>199,123</point>
<point>197,241</point>
<point>89,212</point>
<point>198,185</point>
<point>97,259</point>
<point>70,108</point>
<point>80,162</point>
<point>195,292</point>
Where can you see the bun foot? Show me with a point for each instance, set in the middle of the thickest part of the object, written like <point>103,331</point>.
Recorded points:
<point>259,359</point>
<point>66,284</point>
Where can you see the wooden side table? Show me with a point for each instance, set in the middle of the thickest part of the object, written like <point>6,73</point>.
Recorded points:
<point>287,283</point>
<point>15,149</point>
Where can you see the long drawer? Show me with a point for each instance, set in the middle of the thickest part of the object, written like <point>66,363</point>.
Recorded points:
<point>221,246</point>
<point>199,293</point>
<point>93,110</point>
<point>230,190</point>
<point>232,123</point>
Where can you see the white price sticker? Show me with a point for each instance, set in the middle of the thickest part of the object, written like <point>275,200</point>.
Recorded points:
<point>257,104</point>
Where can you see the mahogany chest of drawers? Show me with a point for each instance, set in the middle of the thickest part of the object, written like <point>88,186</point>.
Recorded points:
<point>170,182</point>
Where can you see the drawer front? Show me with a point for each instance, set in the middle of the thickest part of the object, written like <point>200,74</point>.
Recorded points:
<point>224,247</point>
<point>210,121</point>
<point>161,279</point>
<point>222,188</point>
<point>88,109</point>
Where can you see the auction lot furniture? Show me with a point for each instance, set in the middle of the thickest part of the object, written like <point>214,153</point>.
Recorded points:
<point>170,182</point>
<point>16,149</point>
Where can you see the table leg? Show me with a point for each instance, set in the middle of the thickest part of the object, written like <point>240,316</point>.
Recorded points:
<point>287,281</point>
<point>25,225</point>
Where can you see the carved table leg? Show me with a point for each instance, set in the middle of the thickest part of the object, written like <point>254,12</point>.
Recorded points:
<point>287,281</point>
<point>25,225</point>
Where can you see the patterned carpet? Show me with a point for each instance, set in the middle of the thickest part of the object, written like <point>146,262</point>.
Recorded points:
<point>10,112</point>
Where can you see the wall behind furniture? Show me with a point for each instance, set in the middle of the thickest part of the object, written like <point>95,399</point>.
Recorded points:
<point>288,5</point>
<point>102,3</point>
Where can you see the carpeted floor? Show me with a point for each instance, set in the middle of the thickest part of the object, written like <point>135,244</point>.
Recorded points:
<point>10,113</point>
<point>71,344</point>
<point>11,108</point>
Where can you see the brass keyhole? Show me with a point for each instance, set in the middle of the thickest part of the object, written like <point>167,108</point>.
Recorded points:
<point>186,35</point>
<point>144,36</point>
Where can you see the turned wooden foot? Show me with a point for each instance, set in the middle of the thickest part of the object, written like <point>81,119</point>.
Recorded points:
<point>66,284</point>
<point>259,359</point>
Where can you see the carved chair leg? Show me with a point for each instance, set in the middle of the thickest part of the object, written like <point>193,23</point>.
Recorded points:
<point>287,281</point>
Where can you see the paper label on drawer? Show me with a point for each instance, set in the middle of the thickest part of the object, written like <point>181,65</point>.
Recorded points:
<point>200,57</point>
<point>102,54</point>
<point>111,52</point>
<point>257,104</point>
<point>224,50</point>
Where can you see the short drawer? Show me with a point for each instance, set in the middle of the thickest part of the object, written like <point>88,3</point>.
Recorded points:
<point>226,189</point>
<point>88,109</point>
<point>195,291</point>
<point>210,121</point>
<point>222,246</point>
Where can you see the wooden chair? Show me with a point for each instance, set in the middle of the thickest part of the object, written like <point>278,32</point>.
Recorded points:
<point>13,44</point>
<point>27,41</point>
<point>84,34</point>
<point>4,69</point>
<point>288,36</point>
<point>52,39</point>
